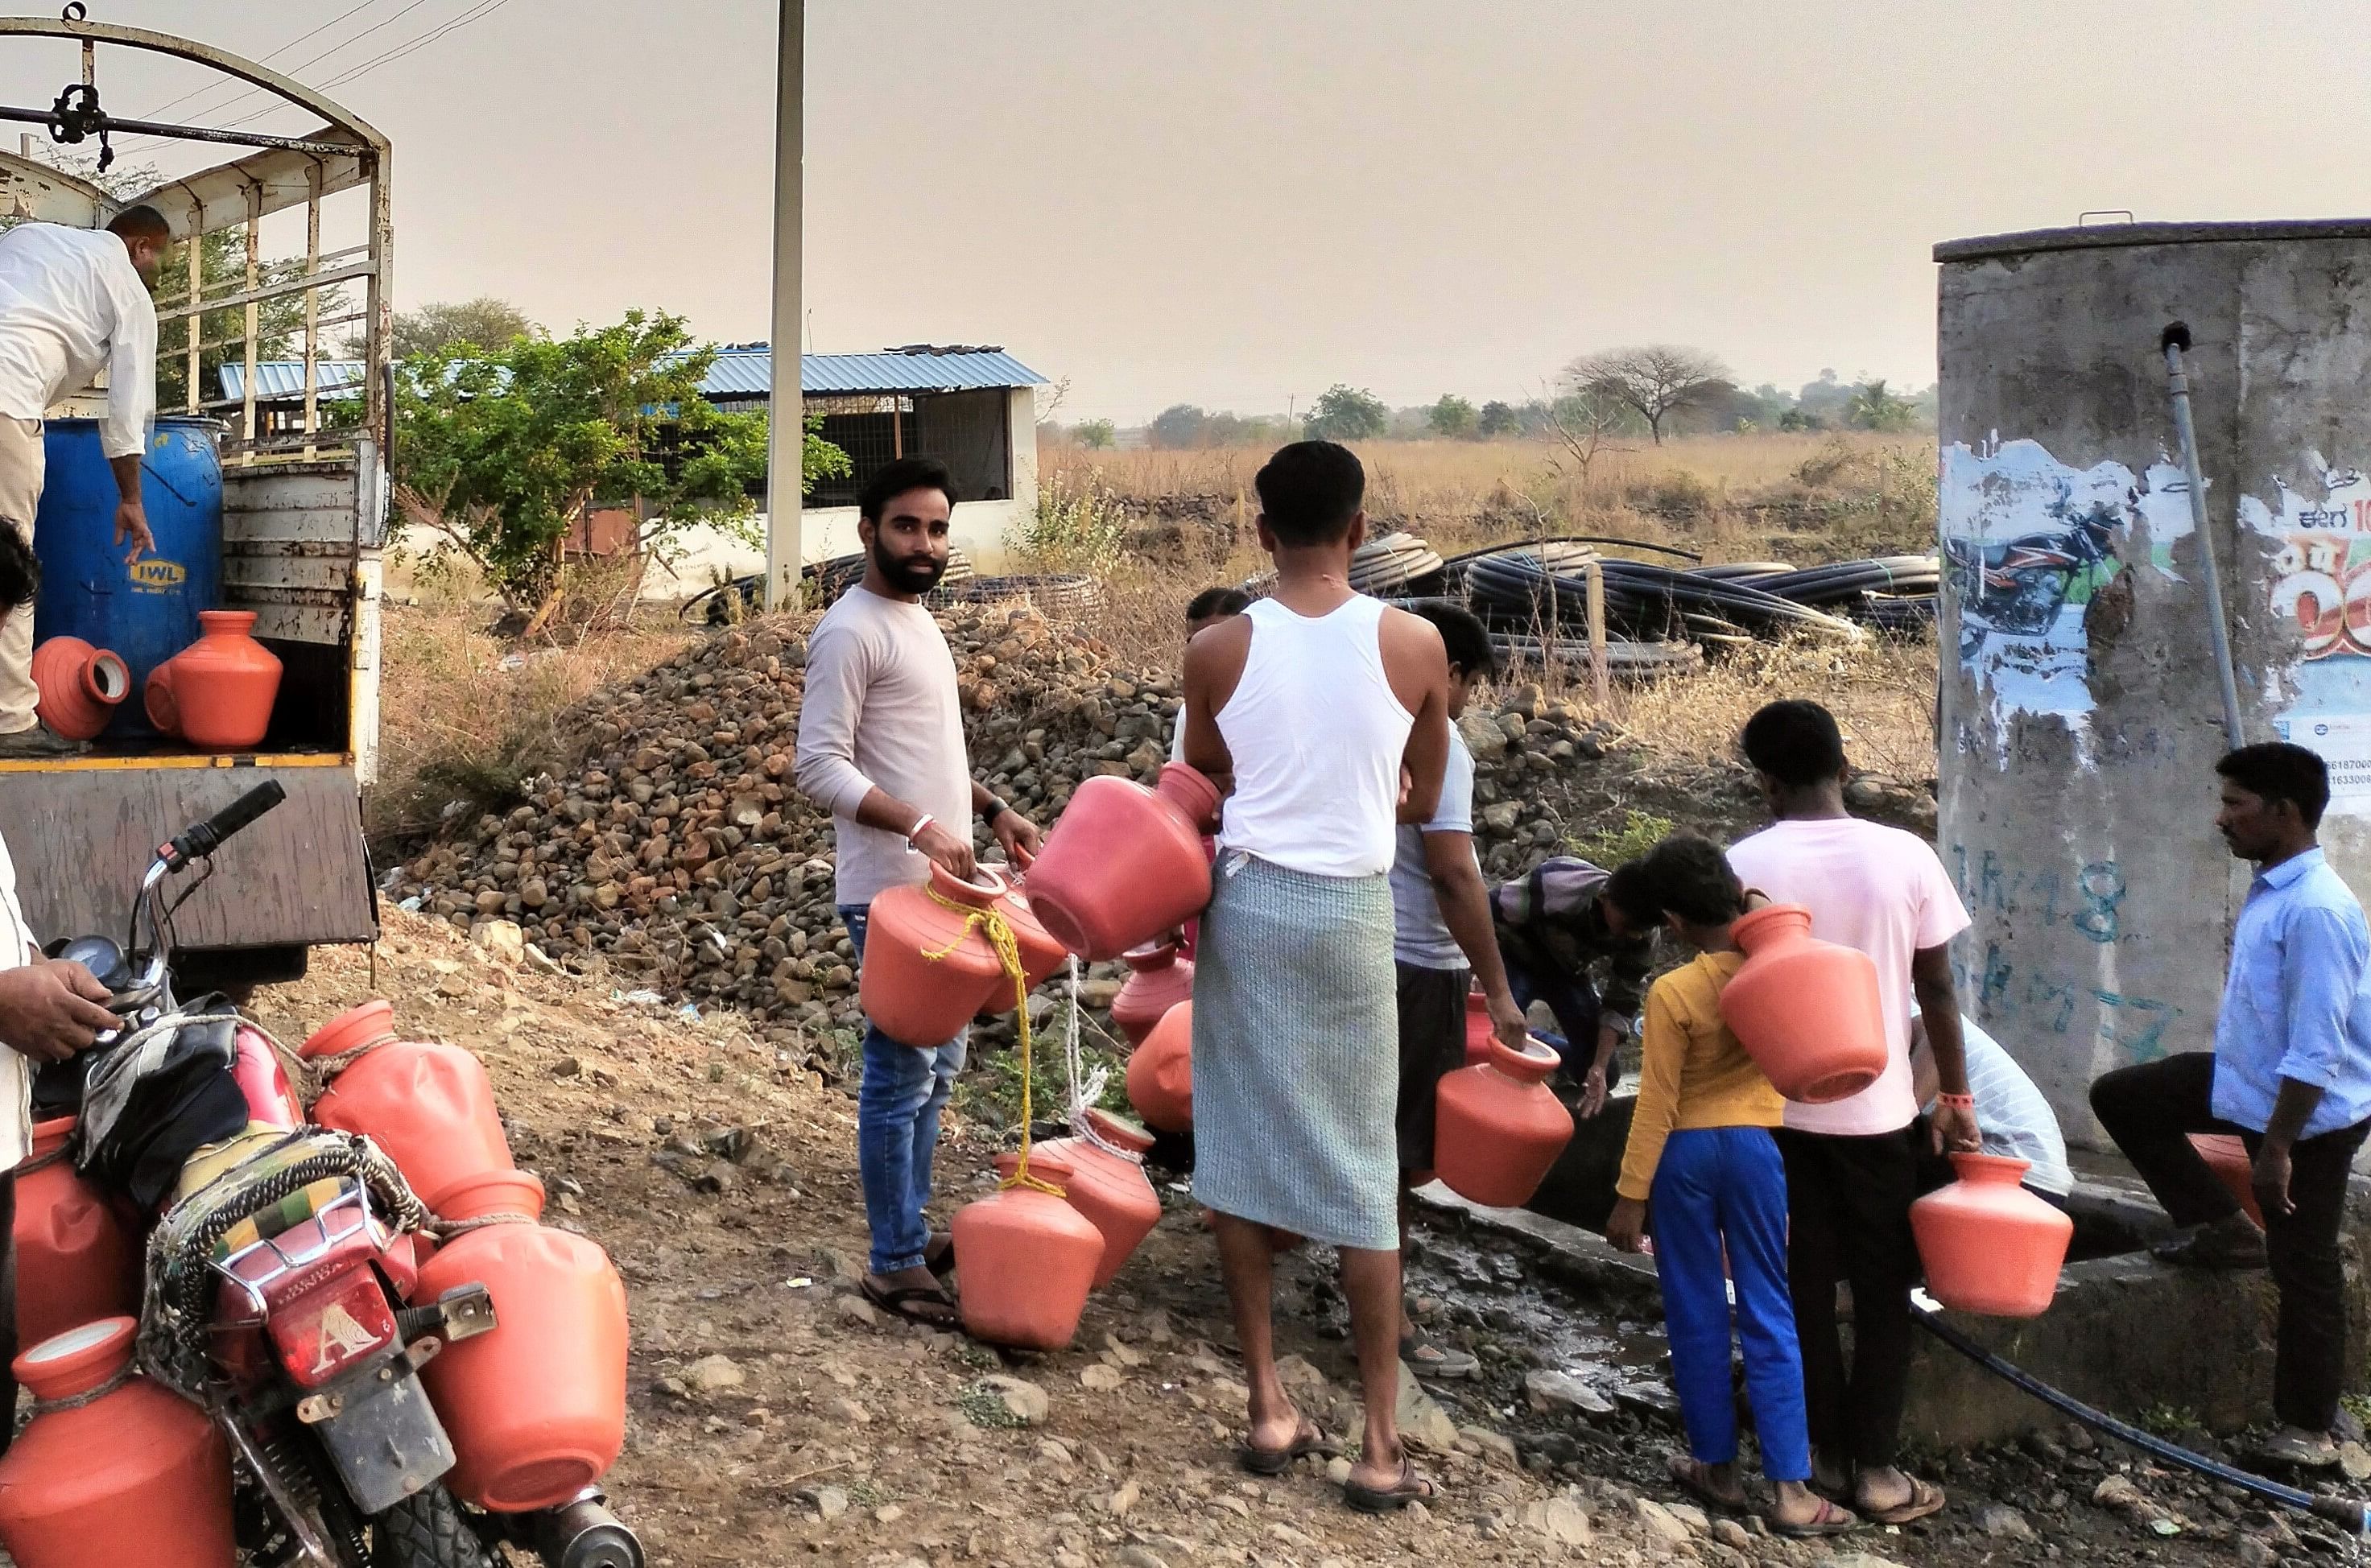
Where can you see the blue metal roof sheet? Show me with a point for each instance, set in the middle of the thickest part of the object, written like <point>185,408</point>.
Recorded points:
<point>737,373</point>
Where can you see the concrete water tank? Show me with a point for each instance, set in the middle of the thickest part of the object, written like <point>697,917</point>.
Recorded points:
<point>2080,720</point>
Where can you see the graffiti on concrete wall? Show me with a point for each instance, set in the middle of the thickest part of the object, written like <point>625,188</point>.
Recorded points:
<point>2319,583</point>
<point>2029,542</point>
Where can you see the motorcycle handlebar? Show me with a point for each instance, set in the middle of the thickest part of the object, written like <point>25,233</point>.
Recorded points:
<point>208,836</point>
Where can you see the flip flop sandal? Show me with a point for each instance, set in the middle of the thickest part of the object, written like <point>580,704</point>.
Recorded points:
<point>1689,1475</point>
<point>1830,1520</point>
<point>1307,1439</point>
<point>903,1303</point>
<point>1409,1488</point>
<point>1445,1362</point>
<point>1925,1499</point>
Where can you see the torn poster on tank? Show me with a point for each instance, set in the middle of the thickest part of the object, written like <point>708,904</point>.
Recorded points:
<point>2320,580</point>
<point>2027,543</point>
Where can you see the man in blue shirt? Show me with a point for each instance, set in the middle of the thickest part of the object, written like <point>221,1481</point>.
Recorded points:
<point>2291,1075</point>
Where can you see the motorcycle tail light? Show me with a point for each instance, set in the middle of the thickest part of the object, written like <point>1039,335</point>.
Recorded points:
<point>342,1320</point>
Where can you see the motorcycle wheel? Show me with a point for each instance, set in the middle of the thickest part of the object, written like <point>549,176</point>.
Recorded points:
<point>427,1530</point>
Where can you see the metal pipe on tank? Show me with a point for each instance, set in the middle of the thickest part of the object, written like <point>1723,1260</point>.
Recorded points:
<point>2175,341</point>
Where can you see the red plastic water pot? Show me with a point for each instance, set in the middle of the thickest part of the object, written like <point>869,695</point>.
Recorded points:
<point>263,1081</point>
<point>157,697</point>
<point>537,1408</point>
<point>136,1476</point>
<point>429,1106</point>
<point>1110,1190</point>
<point>223,685</point>
<point>1029,1259</point>
<point>1124,863</point>
<point>1041,956</point>
<point>1161,1072</point>
<point>1807,1012</point>
<point>2227,1155</point>
<point>1989,1245</point>
<point>1498,1126</point>
<point>76,1260</point>
<point>79,685</point>
<point>929,968</point>
<point>1157,980</point>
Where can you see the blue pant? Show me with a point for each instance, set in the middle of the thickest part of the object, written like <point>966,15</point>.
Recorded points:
<point>898,1106</point>
<point>1716,1186</point>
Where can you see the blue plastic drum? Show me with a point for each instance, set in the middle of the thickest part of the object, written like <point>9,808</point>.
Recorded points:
<point>149,612</point>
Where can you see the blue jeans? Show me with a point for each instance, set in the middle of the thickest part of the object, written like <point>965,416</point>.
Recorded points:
<point>1575,1003</point>
<point>898,1106</point>
<point>1716,1186</point>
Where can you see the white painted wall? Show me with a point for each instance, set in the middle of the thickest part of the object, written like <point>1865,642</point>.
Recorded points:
<point>979,531</point>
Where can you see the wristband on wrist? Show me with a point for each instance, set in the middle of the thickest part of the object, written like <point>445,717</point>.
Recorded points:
<point>1957,1102</point>
<point>924,821</point>
<point>994,808</point>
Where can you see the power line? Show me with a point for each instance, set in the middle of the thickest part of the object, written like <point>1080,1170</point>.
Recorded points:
<point>204,87</point>
<point>478,11</point>
<point>227,105</point>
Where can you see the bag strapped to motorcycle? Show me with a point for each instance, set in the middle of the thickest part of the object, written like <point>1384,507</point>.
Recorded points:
<point>276,1187</point>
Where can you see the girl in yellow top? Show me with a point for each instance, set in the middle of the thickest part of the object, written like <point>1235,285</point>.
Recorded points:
<point>1700,1146</point>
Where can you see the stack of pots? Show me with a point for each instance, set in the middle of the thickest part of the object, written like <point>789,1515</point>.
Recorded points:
<point>931,965</point>
<point>1125,864</point>
<point>218,693</point>
<point>1807,1012</point>
<point>76,1260</point>
<point>137,1474</point>
<point>536,1408</point>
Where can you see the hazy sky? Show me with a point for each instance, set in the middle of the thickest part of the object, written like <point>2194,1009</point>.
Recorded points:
<point>1235,203</point>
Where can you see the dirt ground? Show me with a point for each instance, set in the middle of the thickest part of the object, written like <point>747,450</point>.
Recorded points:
<point>775,1419</point>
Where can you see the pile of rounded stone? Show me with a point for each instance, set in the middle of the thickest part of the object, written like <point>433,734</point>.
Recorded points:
<point>677,847</point>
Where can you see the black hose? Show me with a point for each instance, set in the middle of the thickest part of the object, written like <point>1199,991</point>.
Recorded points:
<point>2340,1511</point>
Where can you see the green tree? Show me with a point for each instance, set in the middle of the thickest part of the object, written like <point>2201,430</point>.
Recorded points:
<point>1498,418</point>
<point>1872,407</point>
<point>1655,380</point>
<point>501,452</point>
<point>1452,417</point>
<point>1096,435</point>
<point>1344,413</point>
<point>1179,426</point>
<point>488,322</point>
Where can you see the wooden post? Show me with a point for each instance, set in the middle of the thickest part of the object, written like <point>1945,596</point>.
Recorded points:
<point>896,426</point>
<point>254,282</point>
<point>1593,575</point>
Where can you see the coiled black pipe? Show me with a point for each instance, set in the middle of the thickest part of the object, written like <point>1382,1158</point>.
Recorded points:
<point>2349,1515</point>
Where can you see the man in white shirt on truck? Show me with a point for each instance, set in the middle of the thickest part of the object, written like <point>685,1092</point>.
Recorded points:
<point>72,301</point>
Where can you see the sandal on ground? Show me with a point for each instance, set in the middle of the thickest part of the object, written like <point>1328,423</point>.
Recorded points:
<point>1689,1475</point>
<point>1428,1357</point>
<point>1409,1488</point>
<point>1307,1439</point>
<point>1925,1499</point>
<point>925,1306</point>
<point>1830,1520</point>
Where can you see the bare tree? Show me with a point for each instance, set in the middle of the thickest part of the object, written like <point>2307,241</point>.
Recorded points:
<point>1587,424</point>
<point>1656,381</point>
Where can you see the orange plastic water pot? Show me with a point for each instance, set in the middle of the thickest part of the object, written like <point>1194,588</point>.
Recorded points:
<point>2227,1155</point>
<point>79,685</point>
<point>429,1106</point>
<point>157,697</point>
<point>536,1408</point>
<point>1157,980</point>
<point>1989,1245</point>
<point>1124,863</point>
<point>1110,1189</point>
<point>137,1475</point>
<point>77,1262</point>
<point>1161,1072</point>
<point>1807,1012</point>
<point>222,686</point>
<point>1041,956</point>
<point>1498,1126</point>
<point>930,965</point>
<point>1028,1259</point>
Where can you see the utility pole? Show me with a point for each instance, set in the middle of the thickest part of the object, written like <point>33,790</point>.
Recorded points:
<point>786,428</point>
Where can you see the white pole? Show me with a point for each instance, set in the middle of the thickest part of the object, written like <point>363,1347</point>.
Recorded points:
<point>785,435</point>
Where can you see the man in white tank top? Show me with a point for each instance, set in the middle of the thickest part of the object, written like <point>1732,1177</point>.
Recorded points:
<point>1318,703</point>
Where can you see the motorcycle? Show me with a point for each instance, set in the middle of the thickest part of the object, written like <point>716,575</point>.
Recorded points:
<point>2018,586</point>
<point>284,1272</point>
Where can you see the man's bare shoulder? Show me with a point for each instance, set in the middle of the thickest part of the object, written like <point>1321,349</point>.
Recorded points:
<point>1411,639</point>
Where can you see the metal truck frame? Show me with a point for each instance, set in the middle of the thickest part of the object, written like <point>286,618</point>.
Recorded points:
<point>304,521</point>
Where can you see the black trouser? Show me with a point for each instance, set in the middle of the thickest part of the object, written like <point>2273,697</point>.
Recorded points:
<point>1848,1218</point>
<point>7,1308</point>
<point>2150,1111</point>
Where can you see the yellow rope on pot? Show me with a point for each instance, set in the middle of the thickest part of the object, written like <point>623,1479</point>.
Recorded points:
<point>1007,952</point>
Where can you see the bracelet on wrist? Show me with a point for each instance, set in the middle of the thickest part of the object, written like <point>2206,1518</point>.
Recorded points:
<point>993,809</point>
<point>920,825</point>
<point>1957,1102</point>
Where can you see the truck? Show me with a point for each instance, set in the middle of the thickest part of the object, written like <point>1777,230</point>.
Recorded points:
<point>303,511</point>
